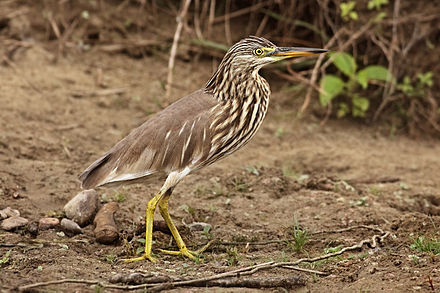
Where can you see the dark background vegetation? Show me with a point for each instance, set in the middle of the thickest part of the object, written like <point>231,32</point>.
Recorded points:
<point>400,36</point>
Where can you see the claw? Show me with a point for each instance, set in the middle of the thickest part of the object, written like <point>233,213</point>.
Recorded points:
<point>183,251</point>
<point>186,252</point>
<point>144,257</point>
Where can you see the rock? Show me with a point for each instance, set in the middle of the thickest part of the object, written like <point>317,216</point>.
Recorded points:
<point>70,226</point>
<point>198,226</point>
<point>82,207</point>
<point>106,231</point>
<point>8,213</point>
<point>48,223</point>
<point>32,228</point>
<point>13,223</point>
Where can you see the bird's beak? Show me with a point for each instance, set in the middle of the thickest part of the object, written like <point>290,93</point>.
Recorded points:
<point>290,52</point>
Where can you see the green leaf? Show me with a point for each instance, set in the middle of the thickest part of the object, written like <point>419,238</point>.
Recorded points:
<point>380,16</point>
<point>332,86</point>
<point>347,10</point>
<point>376,4</point>
<point>360,106</point>
<point>345,63</point>
<point>425,78</point>
<point>343,110</point>
<point>373,72</point>
<point>5,259</point>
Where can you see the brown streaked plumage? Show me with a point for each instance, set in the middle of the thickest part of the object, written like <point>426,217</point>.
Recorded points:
<point>195,131</point>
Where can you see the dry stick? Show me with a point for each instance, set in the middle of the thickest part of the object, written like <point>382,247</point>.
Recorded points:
<point>236,273</point>
<point>295,77</point>
<point>241,11</point>
<point>17,71</point>
<point>389,85</point>
<point>211,17</point>
<point>306,270</point>
<point>315,74</point>
<point>180,19</point>
<point>262,25</point>
<point>228,23</point>
<point>197,19</point>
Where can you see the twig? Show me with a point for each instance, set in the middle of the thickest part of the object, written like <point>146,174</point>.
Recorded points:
<point>17,71</point>
<point>173,52</point>
<point>105,92</point>
<point>389,85</point>
<point>315,74</point>
<point>296,77</point>
<point>228,22</point>
<point>349,229</point>
<point>374,180</point>
<point>241,11</point>
<point>306,270</point>
<point>372,243</point>
<point>211,17</point>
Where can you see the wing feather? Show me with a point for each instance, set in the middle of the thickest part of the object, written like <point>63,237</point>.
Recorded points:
<point>156,146</point>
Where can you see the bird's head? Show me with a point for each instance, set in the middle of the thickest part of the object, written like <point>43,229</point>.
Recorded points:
<point>246,57</point>
<point>255,52</point>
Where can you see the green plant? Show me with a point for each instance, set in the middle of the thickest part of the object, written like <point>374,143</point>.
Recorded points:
<point>119,197</point>
<point>5,259</point>
<point>239,184</point>
<point>300,236</point>
<point>206,232</point>
<point>232,253</point>
<point>328,250</point>
<point>418,88</point>
<point>423,244</point>
<point>253,170</point>
<point>333,86</point>
<point>110,258</point>
<point>347,11</point>
<point>376,4</point>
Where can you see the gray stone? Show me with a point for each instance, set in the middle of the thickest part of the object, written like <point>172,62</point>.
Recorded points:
<point>48,223</point>
<point>70,226</point>
<point>8,213</point>
<point>13,222</point>
<point>82,207</point>
<point>198,226</point>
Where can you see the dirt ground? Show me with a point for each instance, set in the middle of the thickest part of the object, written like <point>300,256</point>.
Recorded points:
<point>56,118</point>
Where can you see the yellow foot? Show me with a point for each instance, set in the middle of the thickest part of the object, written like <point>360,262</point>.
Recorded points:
<point>144,257</point>
<point>183,251</point>
<point>186,252</point>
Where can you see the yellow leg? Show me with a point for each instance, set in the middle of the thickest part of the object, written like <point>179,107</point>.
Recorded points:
<point>183,250</point>
<point>151,207</point>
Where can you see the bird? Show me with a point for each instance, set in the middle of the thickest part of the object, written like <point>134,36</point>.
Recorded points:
<point>194,132</point>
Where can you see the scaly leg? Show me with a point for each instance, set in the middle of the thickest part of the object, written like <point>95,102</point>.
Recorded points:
<point>183,250</point>
<point>151,206</point>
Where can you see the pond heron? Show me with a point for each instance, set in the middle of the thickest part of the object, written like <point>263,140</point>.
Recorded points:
<point>194,132</point>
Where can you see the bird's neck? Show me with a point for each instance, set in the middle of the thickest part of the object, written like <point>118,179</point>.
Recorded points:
<point>234,85</point>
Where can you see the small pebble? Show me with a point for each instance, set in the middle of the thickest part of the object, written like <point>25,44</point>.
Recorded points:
<point>106,231</point>
<point>48,223</point>
<point>32,228</point>
<point>198,226</point>
<point>13,223</point>
<point>70,226</point>
<point>8,213</point>
<point>82,207</point>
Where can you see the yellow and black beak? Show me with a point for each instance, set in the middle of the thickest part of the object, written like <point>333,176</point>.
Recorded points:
<point>290,52</point>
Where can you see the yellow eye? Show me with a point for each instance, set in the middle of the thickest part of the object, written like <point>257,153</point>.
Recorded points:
<point>258,52</point>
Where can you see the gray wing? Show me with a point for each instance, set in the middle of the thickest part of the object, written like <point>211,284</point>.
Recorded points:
<point>175,138</point>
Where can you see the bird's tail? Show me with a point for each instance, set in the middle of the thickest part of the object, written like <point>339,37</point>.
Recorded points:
<point>95,173</point>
